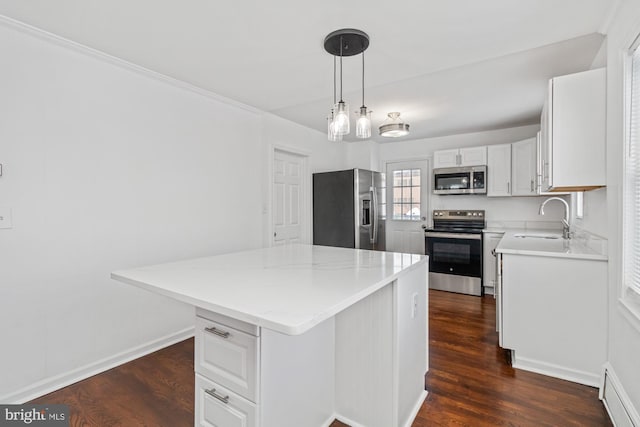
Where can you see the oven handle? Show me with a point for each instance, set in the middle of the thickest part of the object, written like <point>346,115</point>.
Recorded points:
<point>453,235</point>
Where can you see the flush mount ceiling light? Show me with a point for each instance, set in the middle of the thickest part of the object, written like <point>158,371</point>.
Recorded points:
<point>341,43</point>
<point>393,126</point>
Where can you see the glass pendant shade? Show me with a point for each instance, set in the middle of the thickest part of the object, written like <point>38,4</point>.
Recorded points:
<point>363,125</point>
<point>332,135</point>
<point>342,118</point>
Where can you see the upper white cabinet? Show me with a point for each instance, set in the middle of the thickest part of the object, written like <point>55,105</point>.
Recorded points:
<point>499,170</point>
<point>572,135</point>
<point>473,156</point>
<point>524,168</point>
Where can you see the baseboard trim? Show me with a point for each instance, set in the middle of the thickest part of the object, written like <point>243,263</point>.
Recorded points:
<point>618,403</point>
<point>576,376</point>
<point>412,417</point>
<point>416,408</point>
<point>57,382</point>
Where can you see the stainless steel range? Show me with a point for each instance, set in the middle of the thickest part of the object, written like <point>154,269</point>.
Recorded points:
<point>454,246</point>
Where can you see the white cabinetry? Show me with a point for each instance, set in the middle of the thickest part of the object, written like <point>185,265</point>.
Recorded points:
<point>524,167</point>
<point>489,270</point>
<point>473,156</point>
<point>573,132</point>
<point>499,170</point>
<point>553,315</point>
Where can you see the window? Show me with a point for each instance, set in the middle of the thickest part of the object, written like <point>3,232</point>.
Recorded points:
<point>406,195</point>
<point>631,195</point>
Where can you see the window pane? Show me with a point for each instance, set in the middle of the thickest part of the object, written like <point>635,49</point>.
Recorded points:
<point>397,211</point>
<point>406,178</point>
<point>397,178</point>
<point>406,195</point>
<point>415,194</point>
<point>415,177</point>
<point>415,211</point>
<point>397,195</point>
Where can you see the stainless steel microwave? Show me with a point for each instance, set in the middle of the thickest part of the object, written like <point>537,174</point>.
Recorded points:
<point>460,180</point>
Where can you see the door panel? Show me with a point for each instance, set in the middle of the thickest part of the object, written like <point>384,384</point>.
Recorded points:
<point>288,198</point>
<point>407,206</point>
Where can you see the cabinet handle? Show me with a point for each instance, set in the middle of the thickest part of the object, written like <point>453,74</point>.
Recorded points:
<point>508,187</point>
<point>218,332</point>
<point>532,186</point>
<point>212,393</point>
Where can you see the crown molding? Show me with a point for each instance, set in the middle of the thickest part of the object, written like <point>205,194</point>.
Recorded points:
<point>121,63</point>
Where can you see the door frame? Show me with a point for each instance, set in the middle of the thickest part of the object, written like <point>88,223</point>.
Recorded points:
<point>305,215</point>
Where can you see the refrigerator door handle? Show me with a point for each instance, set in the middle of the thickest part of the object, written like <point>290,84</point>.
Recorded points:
<point>373,231</point>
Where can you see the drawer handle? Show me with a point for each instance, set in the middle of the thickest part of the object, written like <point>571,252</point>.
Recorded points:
<point>218,332</point>
<point>212,392</point>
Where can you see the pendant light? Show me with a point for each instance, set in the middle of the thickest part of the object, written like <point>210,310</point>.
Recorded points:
<point>363,125</point>
<point>344,42</point>
<point>332,135</point>
<point>394,126</point>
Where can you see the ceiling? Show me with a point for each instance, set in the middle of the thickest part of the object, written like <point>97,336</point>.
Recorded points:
<point>448,66</point>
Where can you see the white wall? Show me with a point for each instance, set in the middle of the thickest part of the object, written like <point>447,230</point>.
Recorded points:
<point>624,324</point>
<point>107,168</point>
<point>500,211</point>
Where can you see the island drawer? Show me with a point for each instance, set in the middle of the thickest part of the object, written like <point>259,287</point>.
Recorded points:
<point>219,406</point>
<point>227,356</point>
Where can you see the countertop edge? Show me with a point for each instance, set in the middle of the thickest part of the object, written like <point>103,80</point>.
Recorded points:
<point>287,329</point>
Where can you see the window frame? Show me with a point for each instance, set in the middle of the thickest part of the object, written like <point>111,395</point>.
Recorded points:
<point>630,297</point>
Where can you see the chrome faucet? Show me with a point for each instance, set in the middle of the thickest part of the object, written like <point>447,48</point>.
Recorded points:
<point>566,231</point>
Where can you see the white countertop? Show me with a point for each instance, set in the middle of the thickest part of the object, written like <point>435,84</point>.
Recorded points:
<point>288,289</point>
<point>559,248</point>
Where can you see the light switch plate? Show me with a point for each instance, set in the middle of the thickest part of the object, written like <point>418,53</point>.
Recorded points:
<point>5,217</point>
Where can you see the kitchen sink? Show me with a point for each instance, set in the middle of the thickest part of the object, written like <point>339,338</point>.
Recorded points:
<point>538,235</point>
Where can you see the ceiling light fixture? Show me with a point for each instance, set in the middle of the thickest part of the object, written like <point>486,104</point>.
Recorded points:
<point>345,42</point>
<point>393,126</point>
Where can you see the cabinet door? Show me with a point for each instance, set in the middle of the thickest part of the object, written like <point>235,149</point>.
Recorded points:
<point>499,170</point>
<point>545,143</point>
<point>474,156</point>
<point>523,167</point>
<point>445,158</point>
<point>218,406</point>
<point>227,356</point>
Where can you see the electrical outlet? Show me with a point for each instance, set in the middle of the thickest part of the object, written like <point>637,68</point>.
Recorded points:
<point>5,218</point>
<point>414,305</point>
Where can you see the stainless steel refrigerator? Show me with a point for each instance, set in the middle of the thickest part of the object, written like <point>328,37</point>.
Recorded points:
<point>348,209</point>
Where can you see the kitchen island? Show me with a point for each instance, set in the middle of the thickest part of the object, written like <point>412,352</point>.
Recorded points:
<point>298,335</point>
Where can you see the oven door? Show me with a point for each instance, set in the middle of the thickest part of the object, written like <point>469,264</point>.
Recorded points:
<point>454,253</point>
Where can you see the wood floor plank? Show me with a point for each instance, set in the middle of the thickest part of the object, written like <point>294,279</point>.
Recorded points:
<point>470,382</point>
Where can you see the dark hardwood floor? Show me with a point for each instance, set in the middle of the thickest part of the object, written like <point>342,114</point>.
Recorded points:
<point>470,382</point>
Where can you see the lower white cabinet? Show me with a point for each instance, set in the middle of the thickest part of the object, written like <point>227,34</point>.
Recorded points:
<point>217,406</point>
<point>553,315</point>
<point>227,356</point>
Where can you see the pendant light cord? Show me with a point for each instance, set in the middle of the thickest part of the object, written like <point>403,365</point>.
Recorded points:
<point>341,69</point>
<point>363,78</point>
<point>334,80</point>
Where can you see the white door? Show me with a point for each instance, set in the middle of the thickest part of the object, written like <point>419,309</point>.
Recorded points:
<point>407,197</point>
<point>288,197</point>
